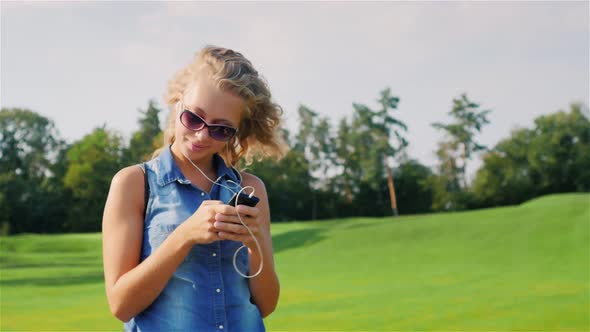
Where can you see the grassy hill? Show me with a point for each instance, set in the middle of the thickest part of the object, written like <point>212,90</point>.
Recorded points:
<point>515,268</point>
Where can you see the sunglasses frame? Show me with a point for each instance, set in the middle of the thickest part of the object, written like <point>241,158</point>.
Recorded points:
<point>205,125</point>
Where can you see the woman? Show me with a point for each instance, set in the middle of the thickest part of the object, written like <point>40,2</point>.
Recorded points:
<point>171,244</point>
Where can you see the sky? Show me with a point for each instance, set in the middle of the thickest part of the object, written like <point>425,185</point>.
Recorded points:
<point>84,64</point>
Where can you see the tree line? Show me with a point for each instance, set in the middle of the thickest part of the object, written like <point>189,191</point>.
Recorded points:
<point>48,185</point>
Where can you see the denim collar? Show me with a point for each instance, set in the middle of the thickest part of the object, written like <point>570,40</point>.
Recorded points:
<point>168,170</point>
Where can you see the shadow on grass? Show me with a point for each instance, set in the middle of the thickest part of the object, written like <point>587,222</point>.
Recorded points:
<point>90,278</point>
<point>297,238</point>
<point>362,225</point>
<point>13,265</point>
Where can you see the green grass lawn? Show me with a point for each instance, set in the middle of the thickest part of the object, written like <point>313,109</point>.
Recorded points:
<point>515,268</point>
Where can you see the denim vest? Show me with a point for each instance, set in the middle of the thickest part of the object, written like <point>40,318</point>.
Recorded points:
<point>205,293</point>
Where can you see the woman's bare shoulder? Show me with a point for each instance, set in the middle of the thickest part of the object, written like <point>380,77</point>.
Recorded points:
<point>126,194</point>
<point>249,179</point>
<point>131,176</point>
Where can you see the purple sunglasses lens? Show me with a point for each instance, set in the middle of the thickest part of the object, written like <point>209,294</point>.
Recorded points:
<point>221,133</point>
<point>191,121</point>
<point>217,132</point>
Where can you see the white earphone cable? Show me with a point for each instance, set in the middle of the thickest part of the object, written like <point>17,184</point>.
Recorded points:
<point>239,217</point>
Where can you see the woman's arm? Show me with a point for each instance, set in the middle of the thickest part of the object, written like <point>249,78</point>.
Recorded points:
<point>265,287</point>
<point>131,286</point>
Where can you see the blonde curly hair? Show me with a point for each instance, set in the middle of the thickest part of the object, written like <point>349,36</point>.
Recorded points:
<point>258,134</point>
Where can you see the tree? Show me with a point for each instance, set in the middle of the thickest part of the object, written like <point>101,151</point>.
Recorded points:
<point>344,181</point>
<point>315,141</point>
<point>147,138</point>
<point>552,157</point>
<point>413,193</point>
<point>505,176</point>
<point>92,162</point>
<point>29,147</point>
<point>28,143</point>
<point>363,148</point>
<point>560,151</point>
<point>288,184</point>
<point>454,151</point>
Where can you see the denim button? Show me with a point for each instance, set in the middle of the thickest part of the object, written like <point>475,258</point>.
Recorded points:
<point>218,290</point>
<point>213,254</point>
<point>202,194</point>
<point>221,327</point>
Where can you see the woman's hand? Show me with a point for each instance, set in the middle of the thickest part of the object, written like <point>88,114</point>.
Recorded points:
<point>198,228</point>
<point>229,227</point>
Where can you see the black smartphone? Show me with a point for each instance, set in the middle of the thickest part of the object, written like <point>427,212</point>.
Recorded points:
<point>243,199</point>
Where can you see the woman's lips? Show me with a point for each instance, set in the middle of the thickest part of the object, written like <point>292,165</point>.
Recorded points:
<point>198,147</point>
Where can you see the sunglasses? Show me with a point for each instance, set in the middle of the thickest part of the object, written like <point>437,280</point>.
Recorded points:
<point>218,132</point>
